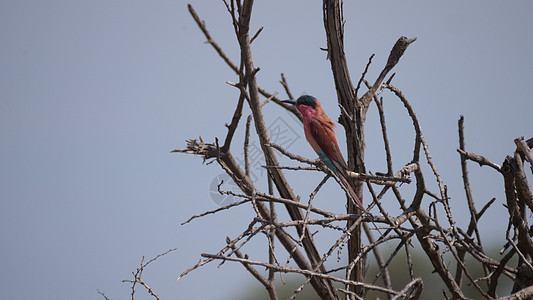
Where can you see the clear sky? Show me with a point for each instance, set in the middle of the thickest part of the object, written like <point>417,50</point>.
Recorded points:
<point>94,95</point>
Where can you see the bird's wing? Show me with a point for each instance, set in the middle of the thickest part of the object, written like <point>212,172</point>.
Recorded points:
<point>325,138</point>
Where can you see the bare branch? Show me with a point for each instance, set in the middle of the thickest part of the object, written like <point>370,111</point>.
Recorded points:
<point>286,87</point>
<point>411,291</point>
<point>138,276</point>
<point>307,218</point>
<point>363,74</point>
<point>103,294</point>
<point>300,271</point>
<point>256,34</point>
<point>524,148</point>
<point>482,161</point>
<point>472,227</point>
<point>394,57</point>
<point>210,40</point>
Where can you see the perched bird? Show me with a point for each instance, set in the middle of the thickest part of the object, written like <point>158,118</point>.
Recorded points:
<point>319,132</point>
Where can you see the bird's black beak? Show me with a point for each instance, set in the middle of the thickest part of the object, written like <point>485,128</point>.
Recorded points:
<point>292,102</point>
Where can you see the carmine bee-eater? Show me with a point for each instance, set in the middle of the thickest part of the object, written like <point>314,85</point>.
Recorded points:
<point>319,132</point>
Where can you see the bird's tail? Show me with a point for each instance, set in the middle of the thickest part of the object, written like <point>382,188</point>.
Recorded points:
<point>348,187</point>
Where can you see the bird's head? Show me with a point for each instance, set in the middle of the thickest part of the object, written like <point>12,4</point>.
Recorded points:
<point>307,105</point>
<point>305,100</point>
<point>310,108</point>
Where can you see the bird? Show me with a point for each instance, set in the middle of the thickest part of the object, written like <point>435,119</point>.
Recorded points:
<point>319,132</point>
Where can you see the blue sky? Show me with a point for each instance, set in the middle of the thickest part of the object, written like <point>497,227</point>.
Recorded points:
<point>94,95</point>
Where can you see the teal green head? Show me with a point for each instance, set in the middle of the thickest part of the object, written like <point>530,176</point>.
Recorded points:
<point>306,100</point>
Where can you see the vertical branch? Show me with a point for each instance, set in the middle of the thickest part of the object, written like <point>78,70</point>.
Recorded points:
<point>271,234</point>
<point>379,104</point>
<point>246,143</point>
<point>355,112</point>
<point>461,253</point>
<point>321,285</point>
<point>519,195</point>
<point>379,259</point>
<point>353,129</point>
<point>524,147</point>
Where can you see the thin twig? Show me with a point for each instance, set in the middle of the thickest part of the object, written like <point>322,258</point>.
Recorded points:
<point>103,294</point>
<point>364,74</point>
<point>300,271</point>
<point>285,85</point>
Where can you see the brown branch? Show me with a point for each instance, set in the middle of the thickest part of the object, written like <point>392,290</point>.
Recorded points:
<point>379,259</point>
<point>354,116</point>
<point>472,227</point>
<point>246,144</point>
<point>244,182</point>
<point>487,205</point>
<point>378,179</point>
<point>209,212</point>
<point>394,57</point>
<point>363,75</point>
<point>224,56</point>
<point>411,291</point>
<point>516,206</point>
<point>285,85</point>
<point>482,161</point>
<point>210,40</point>
<point>524,148</point>
<point>412,114</point>
<point>103,294</point>
<point>334,33</point>
<point>525,193</point>
<point>522,256</point>
<point>339,242</point>
<point>423,236</point>
<point>516,212</point>
<point>235,121</point>
<point>291,108</point>
<point>523,294</point>
<point>493,280</point>
<point>138,276</point>
<point>256,34</point>
<point>379,104</point>
<point>429,232</point>
<point>460,263</point>
<point>307,273</point>
<point>265,282</point>
<point>323,288</point>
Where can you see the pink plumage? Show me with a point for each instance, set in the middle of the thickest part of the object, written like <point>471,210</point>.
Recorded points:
<point>319,132</point>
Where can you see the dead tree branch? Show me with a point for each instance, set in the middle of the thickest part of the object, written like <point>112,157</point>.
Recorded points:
<point>446,244</point>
